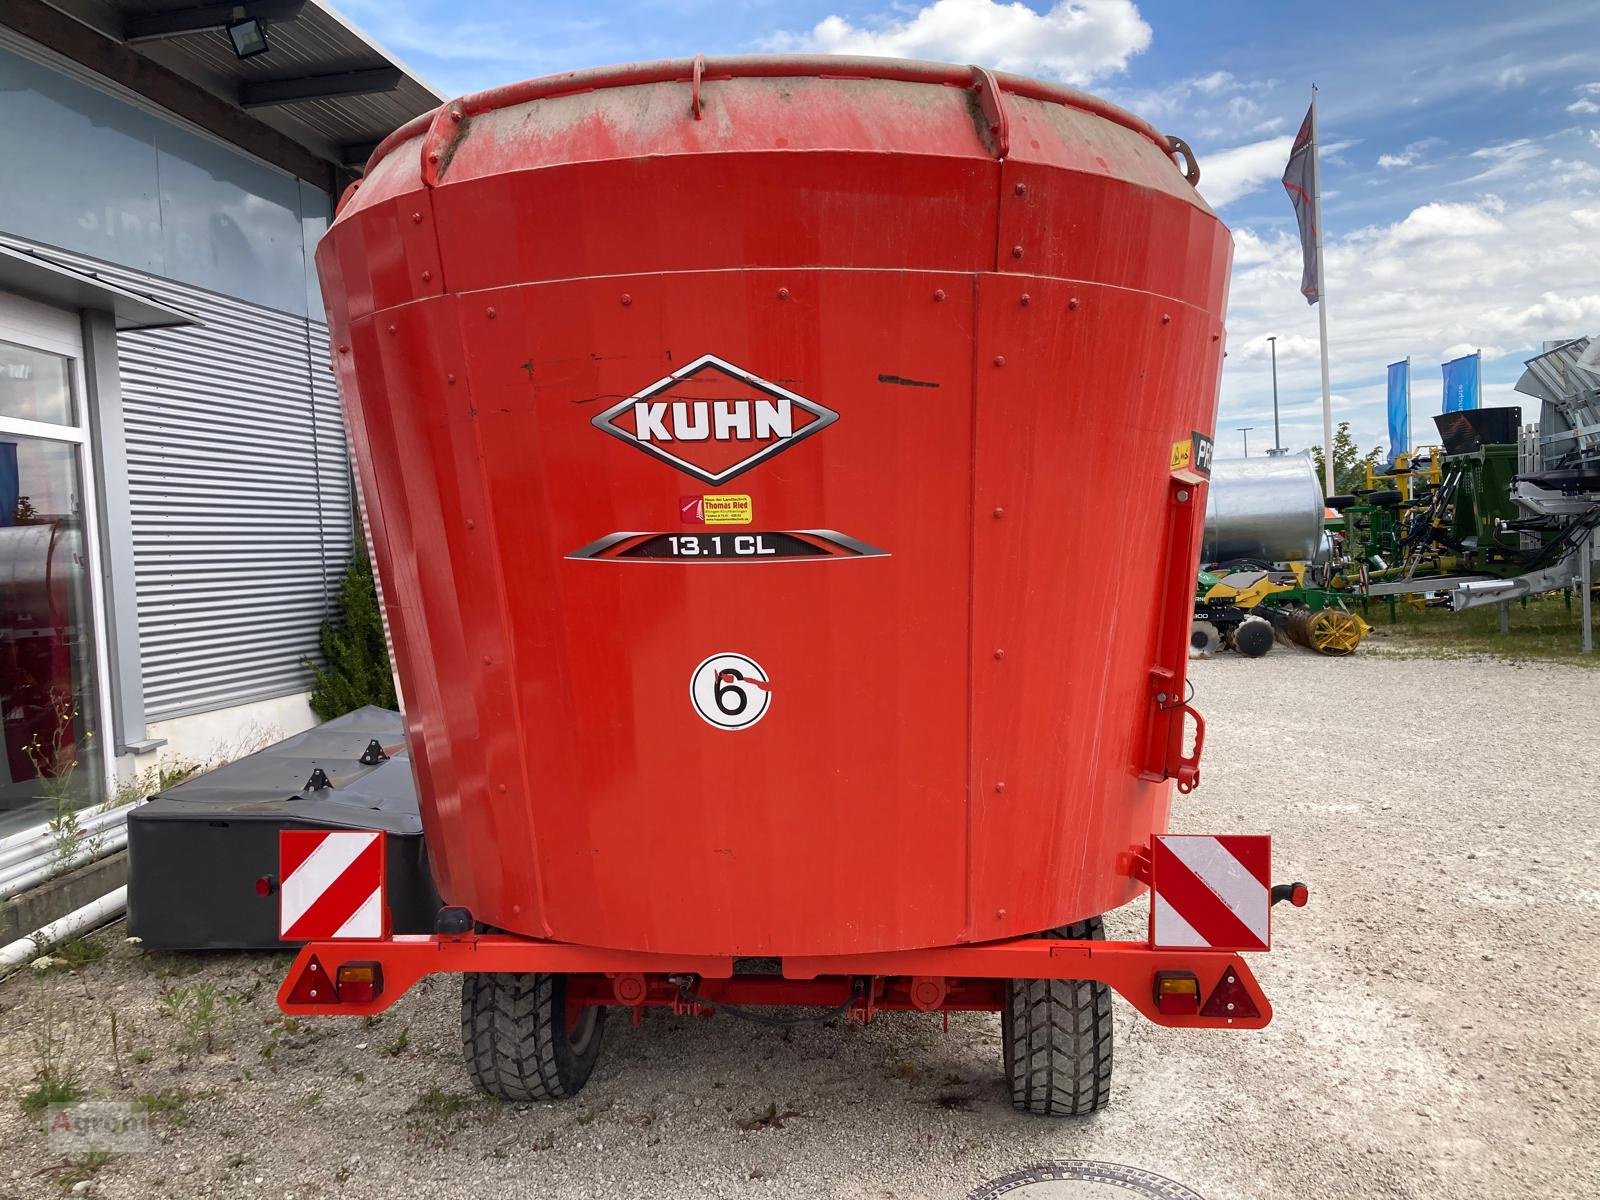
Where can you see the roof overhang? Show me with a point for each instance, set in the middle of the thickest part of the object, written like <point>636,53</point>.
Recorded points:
<point>319,92</point>
<point>38,278</point>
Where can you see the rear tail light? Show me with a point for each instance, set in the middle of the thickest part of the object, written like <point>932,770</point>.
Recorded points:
<point>359,982</point>
<point>1177,993</point>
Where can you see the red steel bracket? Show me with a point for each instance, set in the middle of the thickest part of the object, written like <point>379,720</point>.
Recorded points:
<point>1188,773</point>
<point>993,108</point>
<point>439,143</point>
<point>1129,968</point>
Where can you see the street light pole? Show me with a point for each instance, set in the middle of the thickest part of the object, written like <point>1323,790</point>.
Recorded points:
<point>1245,429</point>
<point>1277,440</point>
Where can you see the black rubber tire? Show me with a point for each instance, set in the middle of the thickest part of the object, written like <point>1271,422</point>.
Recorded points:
<point>514,1034</point>
<point>1253,636</point>
<point>1056,1037</point>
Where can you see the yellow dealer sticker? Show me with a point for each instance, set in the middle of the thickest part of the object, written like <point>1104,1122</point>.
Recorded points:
<point>716,510</point>
<point>1191,458</point>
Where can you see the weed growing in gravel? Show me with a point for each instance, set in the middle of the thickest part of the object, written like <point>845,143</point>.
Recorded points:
<point>174,966</point>
<point>768,1118</point>
<point>195,1011</point>
<point>74,954</point>
<point>82,1169</point>
<point>48,1091</point>
<point>57,1075</point>
<point>168,1104</point>
<point>397,1047</point>
<point>117,1076</point>
<point>436,1114</point>
<point>278,1029</point>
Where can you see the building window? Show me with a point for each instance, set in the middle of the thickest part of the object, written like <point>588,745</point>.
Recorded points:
<point>52,753</point>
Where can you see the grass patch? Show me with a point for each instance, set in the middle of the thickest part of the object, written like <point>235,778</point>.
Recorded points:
<point>81,1169</point>
<point>438,1104</point>
<point>52,1090</point>
<point>1541,630</point>
<point>58,1070</point>
<point>169,1104</point>
<point>76,953</point>
<point>436,1114</point>
<point>195,1011</point>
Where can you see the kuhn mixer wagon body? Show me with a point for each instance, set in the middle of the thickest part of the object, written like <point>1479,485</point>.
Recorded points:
<point>748,445</point>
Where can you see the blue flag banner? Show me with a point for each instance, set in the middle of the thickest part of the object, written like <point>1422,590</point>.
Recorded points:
<point>1461,377</point>
<point>1399,408</point>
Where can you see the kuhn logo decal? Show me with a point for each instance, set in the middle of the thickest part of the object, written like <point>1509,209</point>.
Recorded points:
<point>714,420</point>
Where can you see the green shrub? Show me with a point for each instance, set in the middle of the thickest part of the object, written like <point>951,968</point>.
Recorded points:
<point>354,671</point>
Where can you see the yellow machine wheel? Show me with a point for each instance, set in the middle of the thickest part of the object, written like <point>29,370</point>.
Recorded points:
<point>1334,631</point>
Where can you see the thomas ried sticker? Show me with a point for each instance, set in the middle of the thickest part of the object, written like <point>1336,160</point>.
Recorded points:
<point>716,510</point>
<point>730,691</point>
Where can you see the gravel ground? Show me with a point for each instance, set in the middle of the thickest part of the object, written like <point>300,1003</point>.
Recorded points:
<point>1436,1030</point>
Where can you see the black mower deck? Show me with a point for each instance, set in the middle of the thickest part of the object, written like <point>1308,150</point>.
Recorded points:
<point>196,850</point>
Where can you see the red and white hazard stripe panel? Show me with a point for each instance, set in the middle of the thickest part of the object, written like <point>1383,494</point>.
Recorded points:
<point>332,884</point>
<point>1211,891</point>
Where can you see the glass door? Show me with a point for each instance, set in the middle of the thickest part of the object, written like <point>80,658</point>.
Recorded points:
<point>52,697</point>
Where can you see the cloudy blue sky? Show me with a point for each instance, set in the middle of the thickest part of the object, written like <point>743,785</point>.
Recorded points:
<point>1461,162</point>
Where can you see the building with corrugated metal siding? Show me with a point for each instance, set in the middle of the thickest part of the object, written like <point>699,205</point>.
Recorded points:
<point>176,504</point>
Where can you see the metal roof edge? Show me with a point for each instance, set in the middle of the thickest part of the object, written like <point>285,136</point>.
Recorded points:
<point>378,48</point>
<point>39,278</point>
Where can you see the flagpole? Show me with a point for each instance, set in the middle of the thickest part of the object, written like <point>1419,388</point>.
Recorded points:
<point>1411,436</point>
<point>1322,300</point>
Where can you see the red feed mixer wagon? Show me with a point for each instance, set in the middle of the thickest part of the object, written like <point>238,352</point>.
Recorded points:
<point>747,444</point>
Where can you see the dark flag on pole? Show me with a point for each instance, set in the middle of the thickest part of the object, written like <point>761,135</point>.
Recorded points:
<point>1299,180</point>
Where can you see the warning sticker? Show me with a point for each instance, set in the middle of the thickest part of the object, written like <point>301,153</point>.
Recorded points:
<point>716,510</point>
<point>1191,458</point>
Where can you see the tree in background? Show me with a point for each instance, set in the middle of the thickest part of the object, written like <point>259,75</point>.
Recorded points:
<point>355,669</point>
<point>1349,464</point>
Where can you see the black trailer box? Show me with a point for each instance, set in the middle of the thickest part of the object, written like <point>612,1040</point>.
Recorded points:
<point>196,850</point>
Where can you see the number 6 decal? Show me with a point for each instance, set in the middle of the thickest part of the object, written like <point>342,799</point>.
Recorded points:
<point>730,691</point>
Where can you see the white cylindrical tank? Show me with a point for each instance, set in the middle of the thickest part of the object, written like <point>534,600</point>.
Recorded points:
<point>39,573</point>
<point>1269,509</point>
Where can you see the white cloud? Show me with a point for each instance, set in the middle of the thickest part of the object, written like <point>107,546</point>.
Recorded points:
<point>1225,175</point>
<point>1077,41</point>
<point>1440,220</point>
<point>1498,274</point>
<point>1574,172</point>
<point>1507,160</point>
<point>1411,155</point>
<point>1583,107</point>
